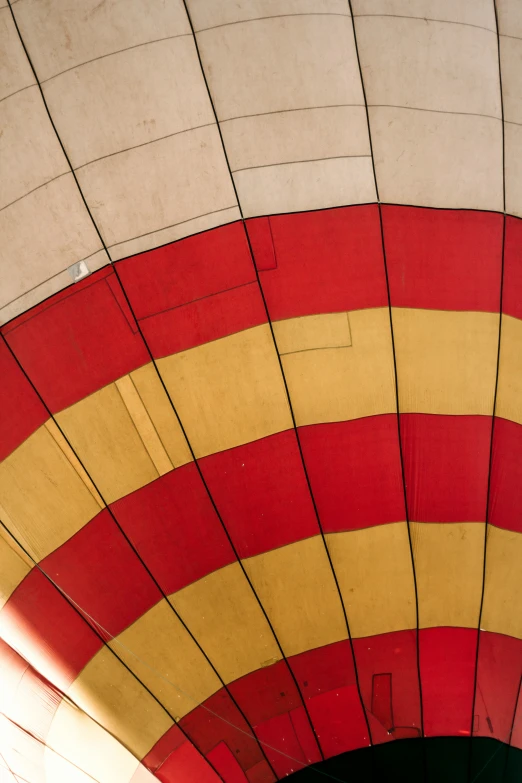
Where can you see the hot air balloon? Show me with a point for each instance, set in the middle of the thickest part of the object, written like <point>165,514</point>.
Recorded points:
<point>261,391</point>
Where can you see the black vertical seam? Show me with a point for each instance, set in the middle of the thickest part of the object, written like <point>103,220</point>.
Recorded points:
<point>241,565</point>
<point>399,435</point>
<point>296,432</point>
<point>104,247</point>
<point>493,415</point>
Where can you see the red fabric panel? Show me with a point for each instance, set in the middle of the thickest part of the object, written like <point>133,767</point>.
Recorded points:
<point>338,720</point>
<point>219,720</point>
<point>267,692</point>
<point>186,765</point>
<point>262,243</point>
<point>394,654</point>
<point>355,472</point>
<point>512,293</point>
<point>443,259</point>
<point>382,704</point>
<point>175,528</point>
<point>189,269</point>
<point>22,411</point>
<point>499,673</point>
<point>226,764</point>
<point>505,499</point>
<point>447,658</point>
<point>195,290</point>
<point>305,734</point>
<point>279,734</point>
<point>40,624</point>
<point>99,570</point>
<point>90,334</point>
<point>207,319</point>
<point>446,464</point>
<point>169,742</point>
<point>327,261</point>
<point>261,492</point>
<point>260,773</point>
<point>326,677</point>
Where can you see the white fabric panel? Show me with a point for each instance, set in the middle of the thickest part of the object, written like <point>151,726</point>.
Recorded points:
<point>61,34</point>
<point>205,14</point>
<point>474,12</point>
<point>437,160</point>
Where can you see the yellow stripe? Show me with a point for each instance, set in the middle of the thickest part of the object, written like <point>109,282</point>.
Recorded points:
<point>159,408</point>
<point>448,564</point>
<point>297,589</point>
<point>224,616</point>
<point>313,333</point>
<point>503,586</point>
<point>375,576</point>
<point>38,482</point>
<point>446,361</point>
<point>509,396</point>
<point>160,651</point>
<point>103,434</point>
<point>112,696</point>
<point>344,383</point>
<point>228,392</point>
<point>14,564</point>
<point>144,425</point>
<point>55,433</point>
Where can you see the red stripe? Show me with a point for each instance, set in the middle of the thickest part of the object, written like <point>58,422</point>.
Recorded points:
<point>443,259</point>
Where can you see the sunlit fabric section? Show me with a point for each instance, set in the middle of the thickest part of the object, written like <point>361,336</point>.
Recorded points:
<point>261,390</point>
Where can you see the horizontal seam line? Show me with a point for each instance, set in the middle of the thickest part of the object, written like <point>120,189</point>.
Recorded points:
<point>38,187</point>
<point>173,225</point>
<point>319,348</point>
<point>433,111</point>
<point>34,84</point>
<point>262,18</point>
<point>47,280</point>
<point>286,111</point>
<point>293,162</point>
<point>111,54</point>
<point>193,301</point>
<point>427,19</point>
<point>143,144</point>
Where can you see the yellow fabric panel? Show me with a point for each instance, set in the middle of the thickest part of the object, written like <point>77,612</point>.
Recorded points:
<point>160,410</point>
<point>448,564</point>
<point>14,563</point>
<point>229,391</point>
<point>224,616</point>
<point>144,426</point>
<point>446,361</point>
<point>297,589</point>
<point>503,587</point>
<point>342,383</point>
<point>82,743</point>
<point>158,644</point>
<point>113,697</point>
<point>54,430</point>
<point>103,434</point>
<point>375,576</point>
<point>509,395</point>
<point>313,332</point>
<point>37,482</point>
